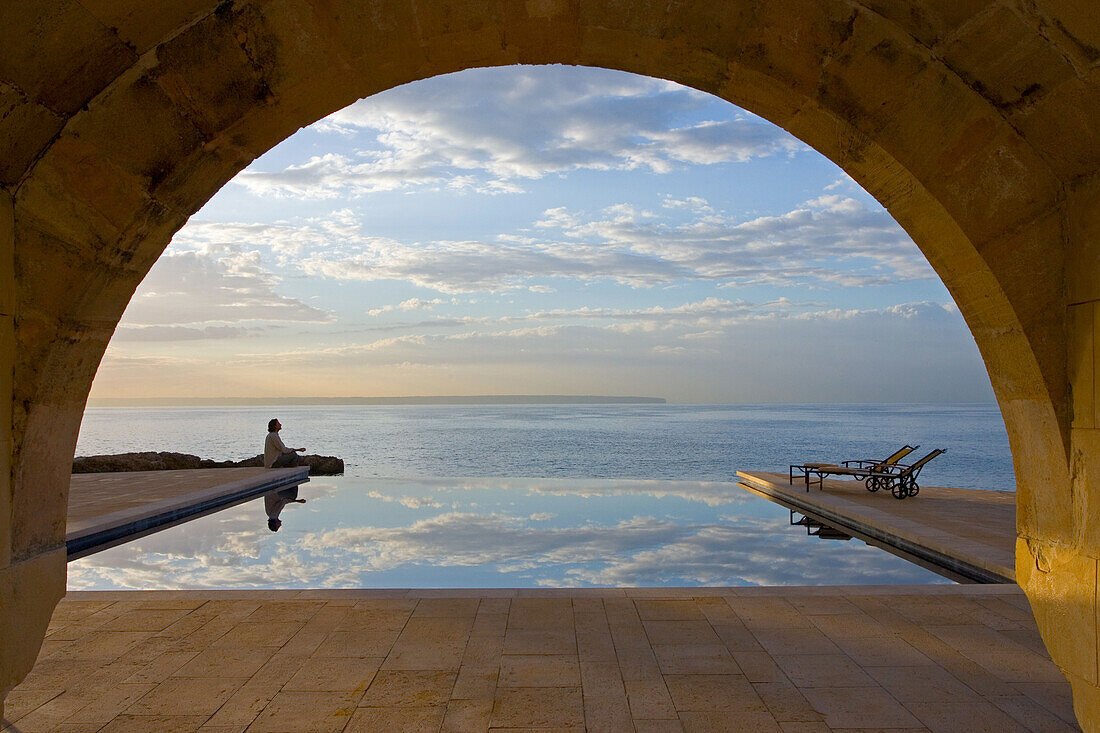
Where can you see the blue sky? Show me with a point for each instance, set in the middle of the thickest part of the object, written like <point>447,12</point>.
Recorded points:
<point>533,230</point>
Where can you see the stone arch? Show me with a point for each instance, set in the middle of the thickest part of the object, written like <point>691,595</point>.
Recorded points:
<point>971,122</point>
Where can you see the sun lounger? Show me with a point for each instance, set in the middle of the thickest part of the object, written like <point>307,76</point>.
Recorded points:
<point>900,480</point>
<point>858,467</point>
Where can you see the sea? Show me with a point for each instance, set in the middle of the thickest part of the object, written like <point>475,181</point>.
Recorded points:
<point>583,495</point>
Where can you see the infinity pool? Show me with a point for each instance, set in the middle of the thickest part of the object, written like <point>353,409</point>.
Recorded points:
<point>463,532</point>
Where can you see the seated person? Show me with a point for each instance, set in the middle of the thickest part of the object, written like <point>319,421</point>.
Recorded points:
<point>276,454</point>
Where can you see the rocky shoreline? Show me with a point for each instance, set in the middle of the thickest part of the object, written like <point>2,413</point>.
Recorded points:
<point>167,461</point>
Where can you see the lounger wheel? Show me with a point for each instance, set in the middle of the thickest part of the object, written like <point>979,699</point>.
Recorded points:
<point>900,491</point>
<point>914,490</point>
<point>872,484</point>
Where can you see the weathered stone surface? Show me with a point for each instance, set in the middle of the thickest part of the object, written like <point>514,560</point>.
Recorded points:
<point>29,590</point>
<point>167,461</point>
<point>1061,585</point>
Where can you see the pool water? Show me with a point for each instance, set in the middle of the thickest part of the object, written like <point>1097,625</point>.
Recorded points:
<point>366,532</point>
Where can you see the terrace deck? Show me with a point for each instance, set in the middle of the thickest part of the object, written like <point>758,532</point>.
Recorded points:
<point>963,532</point>
<point>106,509</point>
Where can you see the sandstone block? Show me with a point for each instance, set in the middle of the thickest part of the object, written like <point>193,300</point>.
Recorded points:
<point>143,25</point>
<point>29,590</point>
<point>1061,585</point>
<point>1003,54</point>
<point>1083,241</point>
<point>26,127</point>
<point>1044,498</point>
<point>59,55</point>
<point>1082,331</point>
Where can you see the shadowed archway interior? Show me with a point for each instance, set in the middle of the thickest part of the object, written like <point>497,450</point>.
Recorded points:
<point>972,124</point>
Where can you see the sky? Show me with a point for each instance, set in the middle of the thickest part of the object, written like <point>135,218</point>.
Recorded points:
<point>544,230</point>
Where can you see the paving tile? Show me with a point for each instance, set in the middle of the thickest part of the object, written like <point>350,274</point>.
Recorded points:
<point>717,611</point>
<point>539,670</point>
<point>489,624</point>
<point>1053,696</point>
<point>595,646</point>
<point>971,637</point>
<point>1016,666</point>
<point>669,610</point>
<point>483,650</point>
<point>680,632</point>
<point>151,620</point>
<point>850,626</point>
<point>822,670</point>
<point>494,606</point>
<point>795,641</point>
<point>533,707</point>
<point>445,607</point>
<point>940,652</point>
<point>786,703</point>
<point>409,688</point>
<point>254,695</point>
<point>637,663</point>
<point>709,693</point>
<point>106,704</point>
<point>104,644</point>
<point>697,722</point>
<point>883,652</point>
<point>759,667</point>
<point>372,618</point>
<point>973,717</point>
<point>154,724</point>
<point>695,659</point>
<point>19,701</point>
<point>430,643</point>
<point>357,643</point>
<point>1032,715</point>
<point>820,605</point>
<point>873,707</point>
<point>161,667</point>
<point>476,682</point>
<point>530,641</point>
<point>649,699</point>
<point>768,613</point>
<point>468,716</point>
<point>252,635</point>
<point>800,727</point>
<point>737,637</point>
<point>284,612</point>
<point>923,684</point>
<point>46,718</point>
<point>305,712</point>
<point>658,726</point>
<point>186,696</point>
<point>230,662</point>
<point>605,702</point>
<point>396,720</point>
<point>334,674</point>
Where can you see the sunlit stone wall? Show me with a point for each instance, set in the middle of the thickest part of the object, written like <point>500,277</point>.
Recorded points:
<point>973,122</point>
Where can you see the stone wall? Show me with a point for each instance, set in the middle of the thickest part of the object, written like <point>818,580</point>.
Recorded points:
<point>973,122</point>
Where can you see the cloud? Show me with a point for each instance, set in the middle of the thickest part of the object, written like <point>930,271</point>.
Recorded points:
<point>182,333</point>
<point>829,240</point>
<point>189,288</point>
<point>412,304</point>
<point>483,130</point>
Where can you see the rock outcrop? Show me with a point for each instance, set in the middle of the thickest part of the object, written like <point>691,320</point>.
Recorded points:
<point>167,461</point>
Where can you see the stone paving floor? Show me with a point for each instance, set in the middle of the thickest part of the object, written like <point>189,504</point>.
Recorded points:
<point>796,660</point>
<point>978,527</point>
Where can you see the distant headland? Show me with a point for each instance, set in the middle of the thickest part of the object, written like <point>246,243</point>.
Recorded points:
<point>507,399</point>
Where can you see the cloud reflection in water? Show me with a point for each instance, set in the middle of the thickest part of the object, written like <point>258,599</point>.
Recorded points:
<point>495,533</point>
